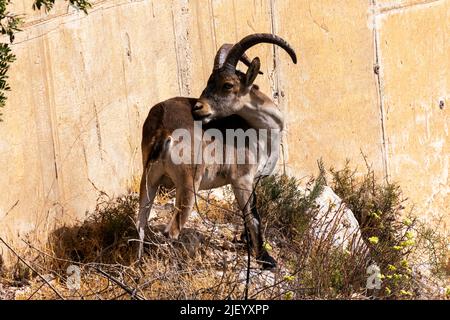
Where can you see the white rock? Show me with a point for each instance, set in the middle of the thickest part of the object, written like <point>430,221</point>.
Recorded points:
<point>334,219</point>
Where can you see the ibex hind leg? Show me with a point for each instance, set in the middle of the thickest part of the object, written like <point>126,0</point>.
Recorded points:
<point>247,202</point>
<point>147,192</point>
<point>185,200</point>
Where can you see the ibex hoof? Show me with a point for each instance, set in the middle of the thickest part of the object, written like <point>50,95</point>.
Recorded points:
<point>243,239</point>
<point>267,261</point>
<point>170,235</point>
<point>140,255</point>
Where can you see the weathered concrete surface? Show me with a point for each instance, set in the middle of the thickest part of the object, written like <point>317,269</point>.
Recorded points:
<point>82,87</point>
<point>414,51</point>
<point>330,99</point>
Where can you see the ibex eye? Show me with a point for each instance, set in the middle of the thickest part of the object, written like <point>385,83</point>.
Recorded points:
<point>228,86</point>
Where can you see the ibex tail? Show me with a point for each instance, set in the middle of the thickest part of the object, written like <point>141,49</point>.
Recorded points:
<point>158,146</point>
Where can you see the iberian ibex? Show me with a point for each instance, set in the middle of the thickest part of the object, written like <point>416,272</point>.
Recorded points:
<point>229,101</point>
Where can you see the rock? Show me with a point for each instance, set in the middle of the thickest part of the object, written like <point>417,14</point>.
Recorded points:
<point>333,218</point>
<point>6,293</point>
<point>259,278</point>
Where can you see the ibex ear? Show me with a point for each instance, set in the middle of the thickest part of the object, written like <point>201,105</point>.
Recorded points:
<point>252,72</point>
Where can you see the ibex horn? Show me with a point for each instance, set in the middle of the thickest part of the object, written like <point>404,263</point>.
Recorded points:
<point>239,49</point>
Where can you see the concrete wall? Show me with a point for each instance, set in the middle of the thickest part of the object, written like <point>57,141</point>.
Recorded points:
<point>414,51</point>
<point>82,87</point>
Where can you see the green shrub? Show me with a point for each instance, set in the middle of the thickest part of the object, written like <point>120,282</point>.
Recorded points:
<point>397,239</point>
<point>281,201</point>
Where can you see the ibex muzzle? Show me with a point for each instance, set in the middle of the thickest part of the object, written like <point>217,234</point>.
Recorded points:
<point>202,111</point>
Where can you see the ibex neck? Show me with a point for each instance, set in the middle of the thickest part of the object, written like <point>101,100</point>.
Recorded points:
<point>260,111</point>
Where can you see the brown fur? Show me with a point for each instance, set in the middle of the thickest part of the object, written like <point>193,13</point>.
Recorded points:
<point>229,101</point>
<point>159,170</point>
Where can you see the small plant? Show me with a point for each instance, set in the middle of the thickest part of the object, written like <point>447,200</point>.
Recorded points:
<point>317,267</point>
<point>83,5</point>
<point>395,238</point>
<point>103,236</point>
<point>283,203</point>
<point>433,246</point>
<point>9,24</point>
<point>6,58</point>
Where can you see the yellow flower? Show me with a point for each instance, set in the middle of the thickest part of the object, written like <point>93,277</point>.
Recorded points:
<point>404,263</point>
<point>391,267</point>
<point>406,293</point>
<point>447,292</point>
<point>409,235</point>
<point>376,215</point>
<point>374,240</point>
<point>289,278</point>
<point>407,222</point>
<point>289,295</point>
<point>388,291</point>
<point>398,248</point>
<point>408,243</point>
<point>267,246</point>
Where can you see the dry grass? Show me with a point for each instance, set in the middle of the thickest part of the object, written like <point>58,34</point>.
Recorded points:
<point>205,263</point>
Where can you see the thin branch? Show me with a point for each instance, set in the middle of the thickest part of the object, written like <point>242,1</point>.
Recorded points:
<point>32,269</point>
<point>131,292</point>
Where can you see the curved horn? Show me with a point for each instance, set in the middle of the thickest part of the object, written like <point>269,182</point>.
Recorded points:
<point>238,50</point>
<point>222,54</point>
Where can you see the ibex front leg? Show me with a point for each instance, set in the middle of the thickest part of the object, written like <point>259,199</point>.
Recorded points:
<point>246,200</point>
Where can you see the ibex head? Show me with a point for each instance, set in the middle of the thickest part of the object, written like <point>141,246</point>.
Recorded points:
<point>227,87</point>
